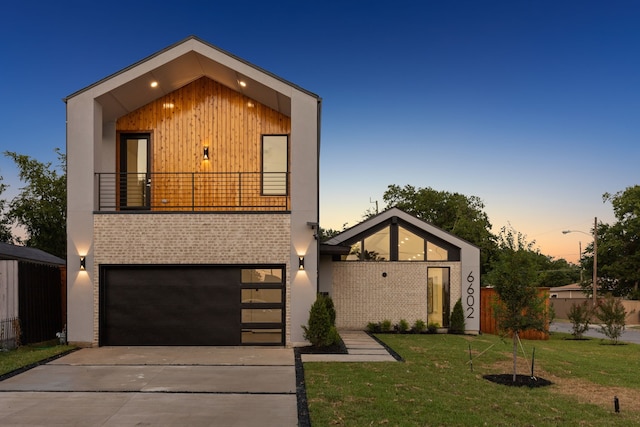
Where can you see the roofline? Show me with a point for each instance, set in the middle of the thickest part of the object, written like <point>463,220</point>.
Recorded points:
<point>192,37</point>
<point>388,212</point>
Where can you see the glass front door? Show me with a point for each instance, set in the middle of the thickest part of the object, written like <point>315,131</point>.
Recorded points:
<point>438,296</point>
<point>135,182</point>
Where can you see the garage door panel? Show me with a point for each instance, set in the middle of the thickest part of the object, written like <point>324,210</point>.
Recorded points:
<point>170,306</point>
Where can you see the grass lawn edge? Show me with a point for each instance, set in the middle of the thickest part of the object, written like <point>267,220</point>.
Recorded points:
<point>35,364</point>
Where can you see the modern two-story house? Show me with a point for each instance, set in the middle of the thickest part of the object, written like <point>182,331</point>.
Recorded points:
<point>192,203</point>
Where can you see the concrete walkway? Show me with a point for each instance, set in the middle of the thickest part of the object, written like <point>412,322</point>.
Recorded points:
<point>361,348</point>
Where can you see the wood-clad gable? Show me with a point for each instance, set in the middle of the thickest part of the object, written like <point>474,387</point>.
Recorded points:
<point>205,113</point>
<point>202,114</point>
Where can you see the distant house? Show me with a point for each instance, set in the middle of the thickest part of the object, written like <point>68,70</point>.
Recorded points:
<point>192,203</point>
<point>395,266</point>
<point>32,294</point>
<point>573,290</point>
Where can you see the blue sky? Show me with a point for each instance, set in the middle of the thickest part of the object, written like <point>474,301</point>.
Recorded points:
<point>530,105</point>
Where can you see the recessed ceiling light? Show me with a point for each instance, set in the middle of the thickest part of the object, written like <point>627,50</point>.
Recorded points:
<point>154,84</point>
<point>242,83</point>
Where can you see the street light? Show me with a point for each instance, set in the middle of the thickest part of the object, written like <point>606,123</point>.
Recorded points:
<point>595,256</point>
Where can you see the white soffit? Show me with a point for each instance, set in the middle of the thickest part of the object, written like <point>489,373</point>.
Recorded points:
<point>182,70</point>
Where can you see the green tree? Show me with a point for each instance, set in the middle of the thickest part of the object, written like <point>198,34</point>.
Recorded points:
<point>456,213</point>
<point>5,223</point>
<point>618,247</point>
<point>580,316</point>
<point>515,277</point>
<point>41,205</point>
<point>557,272</point>
<point>612,314</point>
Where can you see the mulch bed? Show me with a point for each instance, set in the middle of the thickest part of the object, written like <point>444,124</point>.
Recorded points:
<point>334,349</point>
<point>521,380</point>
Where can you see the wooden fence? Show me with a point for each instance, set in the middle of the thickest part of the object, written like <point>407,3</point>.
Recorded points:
<point>488,324</point>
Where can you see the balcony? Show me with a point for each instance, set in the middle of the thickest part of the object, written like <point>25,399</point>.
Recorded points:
<point>193,191</point>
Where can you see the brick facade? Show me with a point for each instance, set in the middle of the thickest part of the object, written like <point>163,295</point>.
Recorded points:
<point>225,239</point>
<point>365,292</point>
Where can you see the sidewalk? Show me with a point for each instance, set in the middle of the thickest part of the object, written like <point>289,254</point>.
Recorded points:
<point>361,348</point>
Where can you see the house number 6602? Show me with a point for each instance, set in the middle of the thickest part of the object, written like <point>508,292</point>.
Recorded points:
<point>471,299</point>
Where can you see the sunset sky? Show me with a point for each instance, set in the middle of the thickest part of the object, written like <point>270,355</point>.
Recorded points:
<point>533,106</point>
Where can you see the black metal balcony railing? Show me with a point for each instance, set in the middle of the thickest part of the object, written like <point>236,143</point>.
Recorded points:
<point>193,191</point>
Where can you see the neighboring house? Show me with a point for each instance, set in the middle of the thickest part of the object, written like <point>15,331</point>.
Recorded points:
<point>31,291</point>
<point>394,266</point>
<point>192,203</point>
<point>573,290</point>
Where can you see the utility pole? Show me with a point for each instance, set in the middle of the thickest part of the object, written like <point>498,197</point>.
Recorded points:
<point>595,262</point>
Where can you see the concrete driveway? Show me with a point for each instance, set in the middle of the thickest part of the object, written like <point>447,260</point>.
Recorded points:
<point>158,386</point>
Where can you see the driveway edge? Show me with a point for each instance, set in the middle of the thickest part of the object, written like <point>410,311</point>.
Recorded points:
<point>35,364</point>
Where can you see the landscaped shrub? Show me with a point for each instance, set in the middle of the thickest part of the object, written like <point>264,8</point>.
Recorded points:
<point>320,332</point>
<point>403,326</point>
<point>330,309</point>
<point>385,326</point>
<point>579,315</point>
<point>432,327</point>
<point>457,319</point>
<point>419,326</point>
<point>611,312</point>
<point>373,327</point>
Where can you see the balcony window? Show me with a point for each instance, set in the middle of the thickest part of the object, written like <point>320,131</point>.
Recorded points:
<point>275,161</point>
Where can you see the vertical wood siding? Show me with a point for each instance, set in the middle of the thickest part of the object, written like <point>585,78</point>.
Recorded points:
<point>488,322</point>
<point>205,113</point>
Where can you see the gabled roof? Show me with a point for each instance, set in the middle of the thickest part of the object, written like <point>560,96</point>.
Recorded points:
<point>181,64</point>
<point>570,287</point>
<point>395,212</point>
<point>24,253</point>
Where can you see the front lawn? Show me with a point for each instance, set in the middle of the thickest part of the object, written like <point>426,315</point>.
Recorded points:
<point>436,387</point>
<point>27,355</point>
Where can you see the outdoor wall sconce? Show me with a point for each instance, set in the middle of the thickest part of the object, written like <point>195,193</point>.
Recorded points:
<point>300,263</point>
<point>83,263</point>
<point>205,156</point>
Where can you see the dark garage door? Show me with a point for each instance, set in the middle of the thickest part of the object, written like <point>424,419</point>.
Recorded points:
<point>170,305</point>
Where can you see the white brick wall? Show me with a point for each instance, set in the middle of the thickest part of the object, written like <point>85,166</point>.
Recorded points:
<point>361,294</point>
<point>191,239</point>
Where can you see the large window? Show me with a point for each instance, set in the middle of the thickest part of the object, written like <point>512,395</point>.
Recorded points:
<point>275,163</point>
<point>410,246</point>
<point>396,242</point>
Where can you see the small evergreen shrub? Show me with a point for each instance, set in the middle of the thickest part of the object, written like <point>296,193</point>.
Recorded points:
<point>319,332</point>
<point>579,315</point>
<point>432,327</point>
<point>611,312</point>
<point>385,326</point>
<point>419,326</point>
<point>403,326</point>
<point>457,319</point>
<point>331,309</point>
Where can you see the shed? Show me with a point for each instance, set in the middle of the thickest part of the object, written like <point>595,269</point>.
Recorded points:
<point>32,290</point>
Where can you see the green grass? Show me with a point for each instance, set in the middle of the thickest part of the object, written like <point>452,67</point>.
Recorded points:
<point>28,355</point>
<point>436,387</point>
